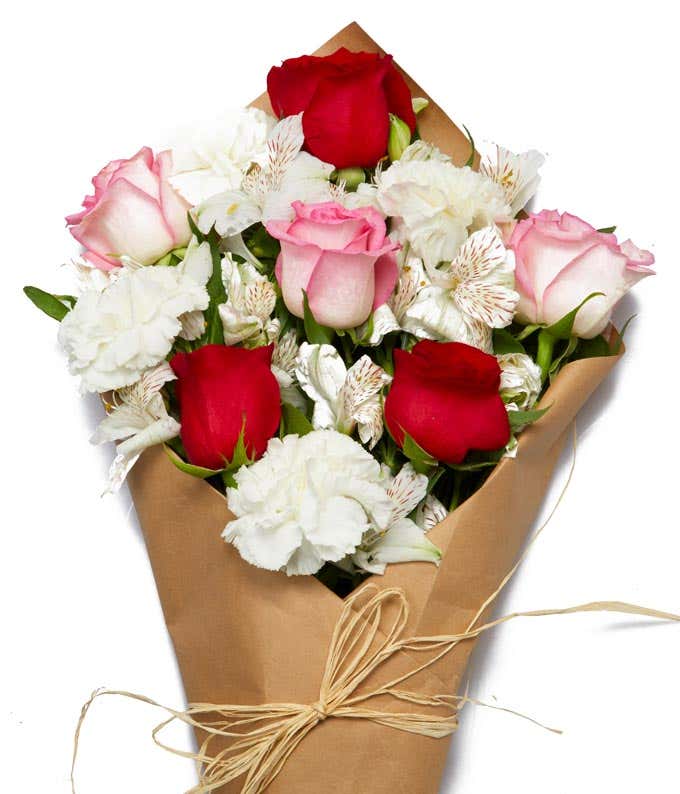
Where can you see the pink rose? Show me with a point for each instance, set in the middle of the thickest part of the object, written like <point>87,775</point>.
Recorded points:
<point>342,258</point>
<point>134,211</point>
<point>561,259</point>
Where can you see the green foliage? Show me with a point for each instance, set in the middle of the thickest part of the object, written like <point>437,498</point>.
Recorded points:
<point>504,342</point>
<point>189,468</point>
<point>55,306</point>
<point>422,461</point>
<point>471,159</point>
<point>294,421</point>
<point>261,244</point>
<point>214,334</point>
<point>520,419</point>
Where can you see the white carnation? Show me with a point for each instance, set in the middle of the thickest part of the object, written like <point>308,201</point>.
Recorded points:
<point>214,157</point>
<point>113,335</point>
<point>438,205</point>
<point>307,501</point>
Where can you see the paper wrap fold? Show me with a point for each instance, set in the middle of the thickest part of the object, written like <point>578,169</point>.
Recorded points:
<point>248,636</point>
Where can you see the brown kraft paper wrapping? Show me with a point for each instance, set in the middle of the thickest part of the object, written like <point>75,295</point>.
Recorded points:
<point>248,636</point>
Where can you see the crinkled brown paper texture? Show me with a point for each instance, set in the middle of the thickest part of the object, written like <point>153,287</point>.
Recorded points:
<point>249,636</point>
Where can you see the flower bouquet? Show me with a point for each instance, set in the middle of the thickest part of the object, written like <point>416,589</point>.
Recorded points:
<point>339,359</point>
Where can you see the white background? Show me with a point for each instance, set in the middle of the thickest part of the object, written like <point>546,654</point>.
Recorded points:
<point>594,85</point>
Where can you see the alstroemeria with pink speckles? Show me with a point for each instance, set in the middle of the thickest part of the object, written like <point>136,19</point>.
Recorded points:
<point>560,260</point>
<point>134,212</point>
<point>342,258</point>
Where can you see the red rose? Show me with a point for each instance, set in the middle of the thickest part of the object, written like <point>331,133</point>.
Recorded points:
<point>218,389</point>
<point>346,98</point>
<point>445,396</point>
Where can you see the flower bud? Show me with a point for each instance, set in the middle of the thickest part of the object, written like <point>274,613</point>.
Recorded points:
<point>400,137</point>
<point>352,177</point>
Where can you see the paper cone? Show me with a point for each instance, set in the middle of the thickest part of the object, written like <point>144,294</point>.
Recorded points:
<point>248,636</point>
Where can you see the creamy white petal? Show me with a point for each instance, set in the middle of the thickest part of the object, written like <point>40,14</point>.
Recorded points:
<point>517,175</point>
<point>230,213</point>
<point>405,541</point>
<point>407,489</point>
<point>430,513</point>
<point>480,280</point>
<point>321,373</point>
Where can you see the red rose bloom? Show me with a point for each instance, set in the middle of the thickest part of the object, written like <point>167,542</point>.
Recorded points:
<point>346,98</point>
<point>218,389</point>
<point>445,396</point>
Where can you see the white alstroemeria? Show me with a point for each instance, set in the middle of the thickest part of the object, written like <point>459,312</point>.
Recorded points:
<point>402,540</point>
<point>138,419</point>
<point>480,281</point>
<point>442,311</point>
<point>343,398</point>
<point>517,174</point>
<point>268,190</point>
<point>213,157</point>
<point>438,205</point>
<point>307,501</point>
<point>520,380</point>
<point>251,298</point>
<point>91,277</point>
<point>112,336</point>
<point>284,361</point>
<point>394,315</point>
<point>430,512</point>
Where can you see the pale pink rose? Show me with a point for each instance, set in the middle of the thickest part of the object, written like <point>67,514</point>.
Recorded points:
<point>341,258</point>
<point>561,259</point>
<point>134,211</point>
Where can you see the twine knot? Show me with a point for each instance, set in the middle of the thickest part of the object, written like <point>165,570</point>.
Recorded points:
<point>321,710</point>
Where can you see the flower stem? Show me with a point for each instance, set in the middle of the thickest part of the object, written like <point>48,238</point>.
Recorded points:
<point>544,356</point>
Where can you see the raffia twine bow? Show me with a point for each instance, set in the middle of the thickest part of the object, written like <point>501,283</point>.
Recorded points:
<point>256,741</point>
<point>260,739</point>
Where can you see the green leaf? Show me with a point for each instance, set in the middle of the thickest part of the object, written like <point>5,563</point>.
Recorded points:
<point>519,419</point>
<point>293,421</point>
<point>54,306</point>
<point>527,331</point>
<point>316,334</point>
<point>240,456</point>
<point>593,348</point>
<point>262,245</point>
<point>505,342</point>
<point>422,461</point>
<point>607,230</point>
<point>189,468</point>
<point>194,228</point>
<point>564,355</point>
<point>562,328</point>
<point>471,159</point>
<point>214,333</point>
<point>616,347</point>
